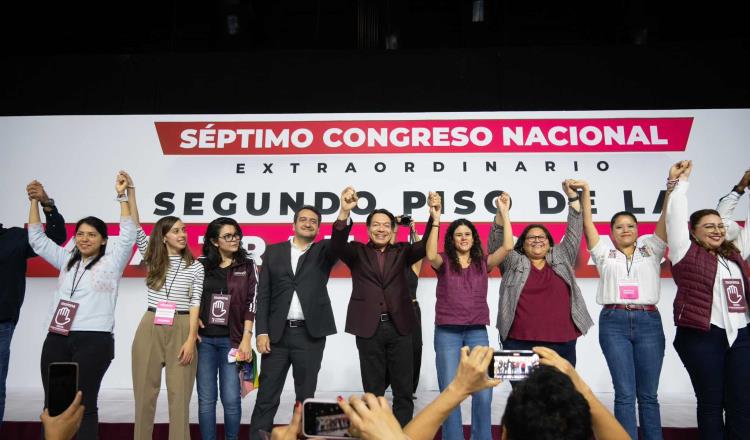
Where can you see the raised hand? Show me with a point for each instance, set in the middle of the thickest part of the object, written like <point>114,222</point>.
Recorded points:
<point>681,170</point>
<point>569,191</point>
<point>349,199</point>
<point>435,204</point>
<point>129,179</point>
<point>502,203</point>
<point>471,375</point>
<point>35,191</point>
<point>121,183</point>
<point>577,184</point>
<point>745,181</point>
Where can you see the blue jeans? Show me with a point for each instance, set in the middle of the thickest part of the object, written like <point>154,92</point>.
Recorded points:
<point>720,380</point>
<point>6,334</point>
<point>212,361</point>
<point>448,342</point>
<point>633,344</point>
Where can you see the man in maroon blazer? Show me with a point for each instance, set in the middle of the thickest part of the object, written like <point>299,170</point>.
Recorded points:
<point>380,312</point>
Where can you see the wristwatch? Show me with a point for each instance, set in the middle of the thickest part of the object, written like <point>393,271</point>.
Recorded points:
<point>50,203</point>
<point>735,189</point>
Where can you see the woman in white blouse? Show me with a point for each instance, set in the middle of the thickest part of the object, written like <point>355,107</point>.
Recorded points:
<point>711,314</point>
<point>167,334</point>
<point>630,328</point>
<point>82,314</point>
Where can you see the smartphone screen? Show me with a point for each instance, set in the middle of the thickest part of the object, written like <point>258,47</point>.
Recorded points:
<point>513,364</point>
<point>324,419</point>
<point>62,386</point>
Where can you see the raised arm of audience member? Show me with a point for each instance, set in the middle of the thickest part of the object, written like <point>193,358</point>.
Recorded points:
<point>65,425</point>
<point>502,217</point>
<point>728,203</point>
<point>604,424</point>
<point>470,378</point>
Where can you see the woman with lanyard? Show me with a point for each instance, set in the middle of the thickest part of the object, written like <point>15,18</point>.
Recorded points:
<point>82,314</point>
<point>540,301</point>
<point>710,312</point>
<point>461,311</point>
<point>630,328</point>
<point>226,325</point>
<point>167,334</point>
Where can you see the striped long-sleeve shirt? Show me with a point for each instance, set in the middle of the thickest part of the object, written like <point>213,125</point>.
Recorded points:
<point>183,284</point>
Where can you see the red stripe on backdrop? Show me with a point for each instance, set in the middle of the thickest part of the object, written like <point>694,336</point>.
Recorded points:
<point>257,236</point>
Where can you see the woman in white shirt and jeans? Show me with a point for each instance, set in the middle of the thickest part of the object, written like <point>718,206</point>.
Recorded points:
<point>82,314</point>
<point>630,328</point>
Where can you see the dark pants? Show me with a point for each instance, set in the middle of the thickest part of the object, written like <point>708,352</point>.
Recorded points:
<point>388,352</point>
<point>6,334</point>
<point>720,380</point>
<point>416,342</point>
<point>566,350</point>
<point>93,351</point>
<point>303,353</point>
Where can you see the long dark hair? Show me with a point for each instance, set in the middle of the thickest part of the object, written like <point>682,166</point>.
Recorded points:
<point>726,249</point>
<point>157,256</point>
<point>475,253</point>
<point>101,228</point>
<point>211,252</point>
<point>522,239</point>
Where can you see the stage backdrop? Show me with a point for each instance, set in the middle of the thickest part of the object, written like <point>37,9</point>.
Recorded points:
<point>259,168</point>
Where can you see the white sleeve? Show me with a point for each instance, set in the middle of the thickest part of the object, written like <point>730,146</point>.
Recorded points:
<point>726,207</point>
<point>197,286</point>
<point>657,245</point>
<point>123,246</point>
<point>142,240</point>
<point>743,241</point>
<point>678,234</point>
<point>599,252</point>
<point>46,248</point>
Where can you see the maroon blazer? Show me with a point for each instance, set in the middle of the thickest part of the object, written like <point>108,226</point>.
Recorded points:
<point>370,286</point>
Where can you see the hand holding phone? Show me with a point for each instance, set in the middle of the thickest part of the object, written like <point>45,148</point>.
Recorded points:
<point>62,386</point>
<point>324,418</point>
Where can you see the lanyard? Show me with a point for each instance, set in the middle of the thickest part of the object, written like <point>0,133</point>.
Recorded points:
<point>76,283</point>
<point>724,263</point>
<point>169,289</point>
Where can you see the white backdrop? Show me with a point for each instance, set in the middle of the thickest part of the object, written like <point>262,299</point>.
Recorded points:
<point>76,158</point>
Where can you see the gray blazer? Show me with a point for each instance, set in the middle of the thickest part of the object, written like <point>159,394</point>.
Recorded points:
<point>516,268</point>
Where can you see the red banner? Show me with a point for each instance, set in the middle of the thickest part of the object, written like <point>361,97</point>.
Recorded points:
<point>257,236</point>
<point>424,136</point>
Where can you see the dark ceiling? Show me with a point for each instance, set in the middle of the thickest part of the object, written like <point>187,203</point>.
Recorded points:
<point>157,26</point>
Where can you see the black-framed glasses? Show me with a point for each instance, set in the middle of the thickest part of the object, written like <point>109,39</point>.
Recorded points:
<point>231,237</point>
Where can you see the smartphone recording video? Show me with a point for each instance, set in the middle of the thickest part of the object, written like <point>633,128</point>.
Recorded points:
<point>513,364</point>
<point>324,418</point>
<point>62,380</point>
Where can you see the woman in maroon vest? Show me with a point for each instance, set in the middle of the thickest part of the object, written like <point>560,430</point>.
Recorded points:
<point>711,314</point>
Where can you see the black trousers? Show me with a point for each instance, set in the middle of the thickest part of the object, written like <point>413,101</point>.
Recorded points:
<point>388,353</point>
<point>416,342</point>
<point>93,351</point>
<point>303,353</point>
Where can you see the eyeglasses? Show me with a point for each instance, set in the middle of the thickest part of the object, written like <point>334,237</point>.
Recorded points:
<point>713,227</point>
<point>540,238</point>
<point>231,237</point>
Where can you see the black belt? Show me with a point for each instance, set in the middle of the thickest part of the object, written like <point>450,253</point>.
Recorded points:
<point>631,307</point>
<point>385,317</point>
<point>294,323</point>
<point>177,312</point>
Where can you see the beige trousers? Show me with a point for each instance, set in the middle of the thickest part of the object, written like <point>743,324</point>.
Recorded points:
<point>156,347</point>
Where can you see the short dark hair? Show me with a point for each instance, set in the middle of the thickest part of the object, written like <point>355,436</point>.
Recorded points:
<point>620,214</point>
<point>381,211</point>
<point>310,208</point>
<point>522,238</point>
<point>546,406</point>
<point>101,228</point>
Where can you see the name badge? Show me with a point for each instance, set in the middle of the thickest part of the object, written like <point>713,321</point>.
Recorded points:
<point>165,311</point>
<point>219,313</point>
<point>62,319</point>
<point>735,292</point>
<point>628,289</point>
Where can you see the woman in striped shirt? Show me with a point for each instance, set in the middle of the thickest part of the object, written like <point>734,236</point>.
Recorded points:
<point>167,334</point>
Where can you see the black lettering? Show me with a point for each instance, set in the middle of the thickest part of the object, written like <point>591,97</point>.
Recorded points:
<point>438,166</point>
<point>193,202</point>
<point>240,168</point>
<point>592,193</point>
<point>379,167</point>
<point>413,200</point>
<point>294,167</point>
<point>490,166</point>
<point>322,167</point>
<point>265,203</point>
<point>575,165</point>
<point>286,202</point>
<point>660,201</point>
<point>520,166</point>
<point>489,201</point>
<point>557,198</point>
<point>628,196</point>
<point>350,167</point>
<point>602,165</point>
<point>369,198</point>
<point>163,202</point>
<point>322,197</point>
<point>408,167</point>
<point>466,205</point>
<point>268,169</point>
<point>549,166</point>
<point>231,209</point>
<point>465,167</point>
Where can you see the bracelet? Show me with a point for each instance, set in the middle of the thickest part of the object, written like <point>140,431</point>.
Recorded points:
<point>131,187</point>
<point>122,197</point>
<point>435,226</point>
<point>671,183</point>
<point>574,199</point>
